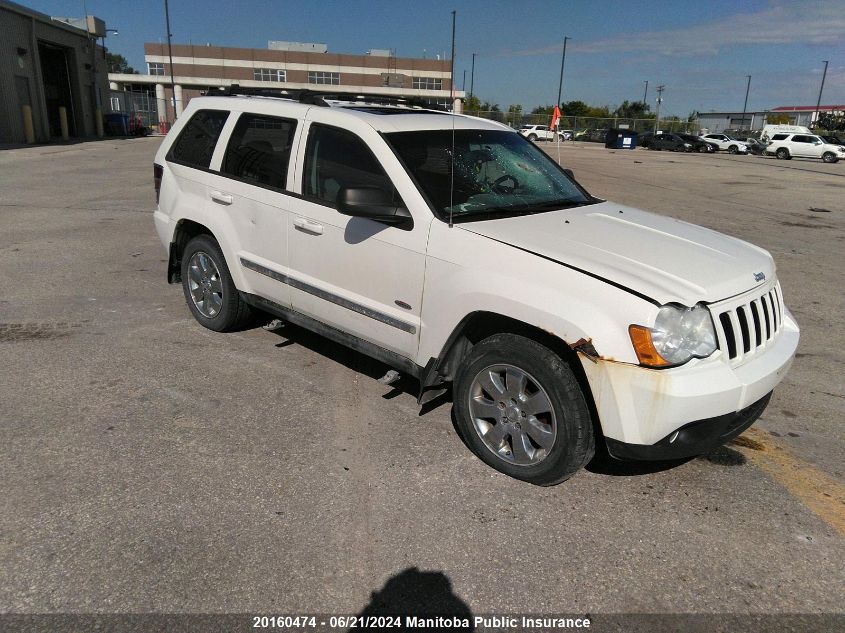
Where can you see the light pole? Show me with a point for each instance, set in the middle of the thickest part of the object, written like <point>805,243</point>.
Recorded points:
<point>464,83</point>
<point>819,102</point>
<point>472,76</point>
<point>562,63</point>
<point>645,94</point>
<point>660,90</point>
<point>745,105</point>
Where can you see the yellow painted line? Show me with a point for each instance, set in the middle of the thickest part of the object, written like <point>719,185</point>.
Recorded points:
<point>817,490</point>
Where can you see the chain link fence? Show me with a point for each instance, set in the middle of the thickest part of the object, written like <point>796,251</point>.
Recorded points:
<point>139,105</point>
<point>582,125</point>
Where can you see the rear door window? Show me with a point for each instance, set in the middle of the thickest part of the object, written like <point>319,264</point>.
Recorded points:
<point>259,150</point>
<point>195,145</point>
<point>779,137</point>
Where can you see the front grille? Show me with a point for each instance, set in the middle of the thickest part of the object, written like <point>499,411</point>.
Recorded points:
<point>749,324</point>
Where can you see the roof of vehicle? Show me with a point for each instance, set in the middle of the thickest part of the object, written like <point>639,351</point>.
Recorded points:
<point>383,118</point>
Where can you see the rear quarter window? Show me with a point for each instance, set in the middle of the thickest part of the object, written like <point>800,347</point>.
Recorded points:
<point>196,142</point>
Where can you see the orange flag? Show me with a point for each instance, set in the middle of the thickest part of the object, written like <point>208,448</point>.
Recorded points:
<point>555,118</point>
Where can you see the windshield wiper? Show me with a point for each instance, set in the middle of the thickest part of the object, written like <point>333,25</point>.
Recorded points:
<point>500,212</point>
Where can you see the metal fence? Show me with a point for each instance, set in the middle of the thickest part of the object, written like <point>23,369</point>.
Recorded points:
<point>140,105</point>
<point>581,124</point>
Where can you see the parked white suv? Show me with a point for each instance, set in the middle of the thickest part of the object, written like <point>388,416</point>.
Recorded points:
<point>727,143</point>
<point>539,133</point>
<point>455,251</point>
<point>786,146</point>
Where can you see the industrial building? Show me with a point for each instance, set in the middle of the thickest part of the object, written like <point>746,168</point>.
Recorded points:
<point>53,78</point>
<point>798,115</point>
<point>291,65</point>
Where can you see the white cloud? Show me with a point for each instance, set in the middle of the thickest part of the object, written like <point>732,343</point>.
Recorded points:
<point>819,22</point>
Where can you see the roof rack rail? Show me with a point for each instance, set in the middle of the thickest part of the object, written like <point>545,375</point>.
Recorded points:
<point>323,98</point>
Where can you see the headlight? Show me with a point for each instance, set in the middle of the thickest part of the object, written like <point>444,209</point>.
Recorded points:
<point>679,334</point>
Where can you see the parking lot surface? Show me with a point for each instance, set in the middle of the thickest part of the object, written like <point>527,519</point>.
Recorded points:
<point>150,465</point>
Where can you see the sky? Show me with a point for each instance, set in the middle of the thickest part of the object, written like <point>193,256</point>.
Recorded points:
<point>701,51</point>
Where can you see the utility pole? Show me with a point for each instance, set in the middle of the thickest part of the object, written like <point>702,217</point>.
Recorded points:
<point>562,62</point>
<point>660,90</point>
<point>819,102</point>
<point>452,71</point>
<point>170,54</point>
<point>645,94</point>
<point>464,83</point>
<point>745,105</point>
<point>472,76</point>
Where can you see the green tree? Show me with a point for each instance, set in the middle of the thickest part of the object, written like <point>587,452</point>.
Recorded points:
<point>515,109</point>
<point>633,110</point>
<point>117,63</point>
<point>777,119</point>
<point>575,108</point>
<point>546,109</point>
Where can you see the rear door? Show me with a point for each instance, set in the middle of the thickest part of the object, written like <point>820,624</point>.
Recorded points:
<point>251,189</point>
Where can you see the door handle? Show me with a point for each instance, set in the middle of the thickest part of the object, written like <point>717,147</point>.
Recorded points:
<point>307,225</point>
<point>219,196</point>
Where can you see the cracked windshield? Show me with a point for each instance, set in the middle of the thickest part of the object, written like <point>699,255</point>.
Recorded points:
<point>496,174</point>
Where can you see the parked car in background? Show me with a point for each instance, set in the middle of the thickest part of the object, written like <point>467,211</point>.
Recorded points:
<point>727,143</point>
<point>593,135</point>
<point>537,132</point>
<point>566,135</point>
<point>756,146</point>
<point>672,142</point>
<point>699,144</point>
<point>786,146</point>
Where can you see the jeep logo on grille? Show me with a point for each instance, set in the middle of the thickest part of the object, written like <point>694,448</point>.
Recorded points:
<point>759,276</point>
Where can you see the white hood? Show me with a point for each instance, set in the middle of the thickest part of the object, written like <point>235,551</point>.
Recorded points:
<point>662,258</point>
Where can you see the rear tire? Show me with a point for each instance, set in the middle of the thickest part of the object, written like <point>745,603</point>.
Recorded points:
<point>210,293</point>
<point>519,408</point>
<point>829,157</point>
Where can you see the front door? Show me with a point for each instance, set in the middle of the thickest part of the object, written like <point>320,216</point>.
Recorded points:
<point>355,274</point>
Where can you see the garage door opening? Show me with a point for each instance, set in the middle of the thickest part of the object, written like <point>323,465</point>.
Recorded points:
<point>55,71</point>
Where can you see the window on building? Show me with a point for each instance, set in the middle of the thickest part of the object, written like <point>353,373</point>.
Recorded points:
<point>195,144</point>
<point>335,159</point>
<point>317,77</point>
<point>259,150</point>
<point>155,68</point>
<point>427,83</point>
<point>269,74</point>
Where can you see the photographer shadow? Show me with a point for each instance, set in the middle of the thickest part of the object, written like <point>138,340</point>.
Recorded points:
<point>419,594</point>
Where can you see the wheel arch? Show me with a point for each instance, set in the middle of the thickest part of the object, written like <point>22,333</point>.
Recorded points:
<point>477,326</point>
<point>185,231</point>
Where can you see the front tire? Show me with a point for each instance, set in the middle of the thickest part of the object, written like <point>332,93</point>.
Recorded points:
<point>210,293</point>
<point>520,409</point>
<point>782,153</point>
<point>733,149</point>
<point>829,157</point>
<point>532,137</point>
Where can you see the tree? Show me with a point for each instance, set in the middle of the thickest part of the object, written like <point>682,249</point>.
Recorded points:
<point>547,109</point>
<point>490,107</point>
<point>633,110</point>
<point>575,108</point>
<point>515,109</point>
<point>117,63</point>
<point>472,104</point>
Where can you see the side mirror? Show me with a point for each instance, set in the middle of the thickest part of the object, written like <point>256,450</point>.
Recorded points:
<point>373,203</point>
<point>569,172</point>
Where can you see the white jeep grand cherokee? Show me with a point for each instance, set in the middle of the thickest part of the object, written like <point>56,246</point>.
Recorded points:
<point>454,250</point>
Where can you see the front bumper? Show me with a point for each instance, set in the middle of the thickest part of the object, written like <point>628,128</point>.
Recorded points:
<point>695,438</point>
<point>640,406</point>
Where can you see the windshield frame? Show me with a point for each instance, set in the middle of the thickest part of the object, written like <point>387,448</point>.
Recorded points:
<point>491,213</point>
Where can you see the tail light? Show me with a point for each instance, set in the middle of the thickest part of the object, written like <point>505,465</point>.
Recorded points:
<point>158,172</point>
